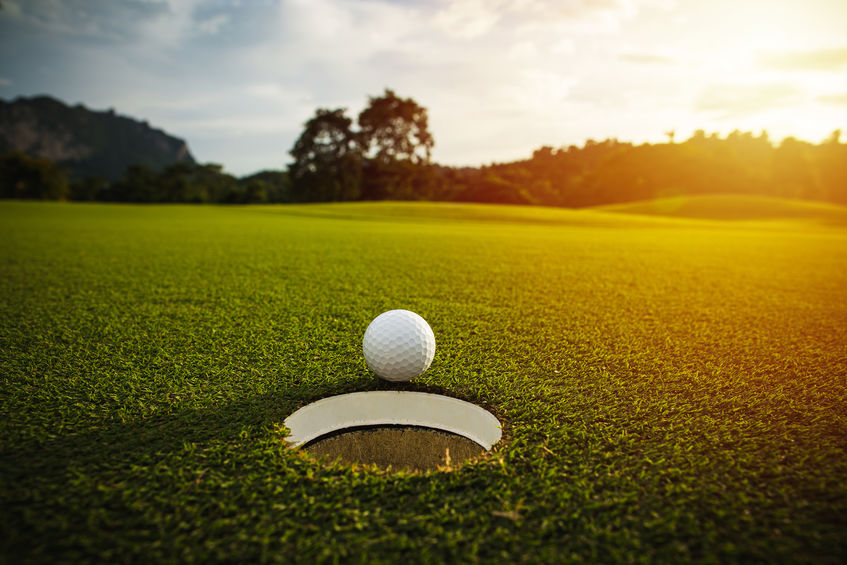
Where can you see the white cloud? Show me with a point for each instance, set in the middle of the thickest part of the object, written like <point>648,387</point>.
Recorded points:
<point>828,59</point>
<point>467,19</point>
<point>839,99</point>
<point>648,58</point>
<point>499,77</point>
<point>212,25</point>
<point>468,62</point>
<point>734,100</point>
<point>523,50</point>
<point>564,46</point>
<point>171,27</point>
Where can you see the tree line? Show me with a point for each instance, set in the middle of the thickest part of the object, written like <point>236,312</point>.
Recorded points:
<point>26,177</point>
<point>386,154</point>
<point>610,171</point>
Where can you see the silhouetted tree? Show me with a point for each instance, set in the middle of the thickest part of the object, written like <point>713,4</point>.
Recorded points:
<point>394,135</point>
<point>327,159</point>
<point>830,160</point>
<point>209,183</point>
<point>89,189</point>
<point>22,176</point>
<point>175,183</point>
<point>275,184</point>
<point>138,184</point>
<point>791,165</point>
<point>395,129</point>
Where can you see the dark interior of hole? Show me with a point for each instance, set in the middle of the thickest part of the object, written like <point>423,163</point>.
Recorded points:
<point>398,447</point>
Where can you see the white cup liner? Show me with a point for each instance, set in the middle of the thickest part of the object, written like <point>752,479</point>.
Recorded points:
<point>383,408</point>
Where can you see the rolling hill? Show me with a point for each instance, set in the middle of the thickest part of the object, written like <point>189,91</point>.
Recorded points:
<point>734,208</point>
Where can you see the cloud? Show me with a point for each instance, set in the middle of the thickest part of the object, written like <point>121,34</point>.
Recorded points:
<point>647,59</point>
<point>492,73</point>
<point>836,99</point>
<point>736,100</point>
<point>467,19</point>
<point>178,22</point>
<point>498,77</point>
<point>815,60</point>
<point>5,82</point>
<point>472,19</point>
<point>212,25</point>
<point>99,19</point>
<point>157,23</point>
<point>574,9</point>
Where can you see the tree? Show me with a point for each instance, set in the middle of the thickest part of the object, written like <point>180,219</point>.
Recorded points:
<point>209,183</point>
<point>831,164</point>
<point>89,189</point>
<point>175,183</point>
<point>139,183</point>
<point>394,134</point>
<point>22,176</point>
<point>275,184</point>
<point>327,159</point>
<point>792,165</point>
<point>395,129</point>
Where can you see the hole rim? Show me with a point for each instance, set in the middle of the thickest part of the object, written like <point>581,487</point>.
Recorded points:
<point>344,412</point>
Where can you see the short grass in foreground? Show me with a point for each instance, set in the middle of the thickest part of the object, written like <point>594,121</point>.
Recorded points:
<point>671,390</point>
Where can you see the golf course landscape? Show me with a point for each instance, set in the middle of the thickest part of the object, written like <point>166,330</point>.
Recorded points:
<point>671,377</point>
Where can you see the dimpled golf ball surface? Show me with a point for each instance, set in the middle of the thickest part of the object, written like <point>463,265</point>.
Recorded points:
<point>399,345</point>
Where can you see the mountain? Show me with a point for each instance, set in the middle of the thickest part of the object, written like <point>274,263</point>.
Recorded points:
<point>87,142</point>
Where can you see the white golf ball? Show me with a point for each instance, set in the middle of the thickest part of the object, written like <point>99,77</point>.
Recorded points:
<point>399,345</point>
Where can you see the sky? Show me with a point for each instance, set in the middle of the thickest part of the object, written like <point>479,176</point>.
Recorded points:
<point>237,79</point>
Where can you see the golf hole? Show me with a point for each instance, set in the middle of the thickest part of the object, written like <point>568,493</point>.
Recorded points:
<point>396,447</point>
<point>398,429</point>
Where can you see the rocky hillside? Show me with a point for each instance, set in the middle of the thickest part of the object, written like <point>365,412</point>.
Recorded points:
<point>85,141</point>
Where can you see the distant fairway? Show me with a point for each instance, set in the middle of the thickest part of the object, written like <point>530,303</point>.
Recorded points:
<point>734,207</point>
<point>672,390</point>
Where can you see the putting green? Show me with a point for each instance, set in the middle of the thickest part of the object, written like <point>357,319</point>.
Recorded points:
<point>671,389</point>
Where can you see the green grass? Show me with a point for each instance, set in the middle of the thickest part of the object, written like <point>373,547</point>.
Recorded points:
<point>671,390</point>
<point>733,207</point>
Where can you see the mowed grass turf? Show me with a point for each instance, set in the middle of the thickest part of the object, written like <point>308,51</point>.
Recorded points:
<point>671,390</point>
